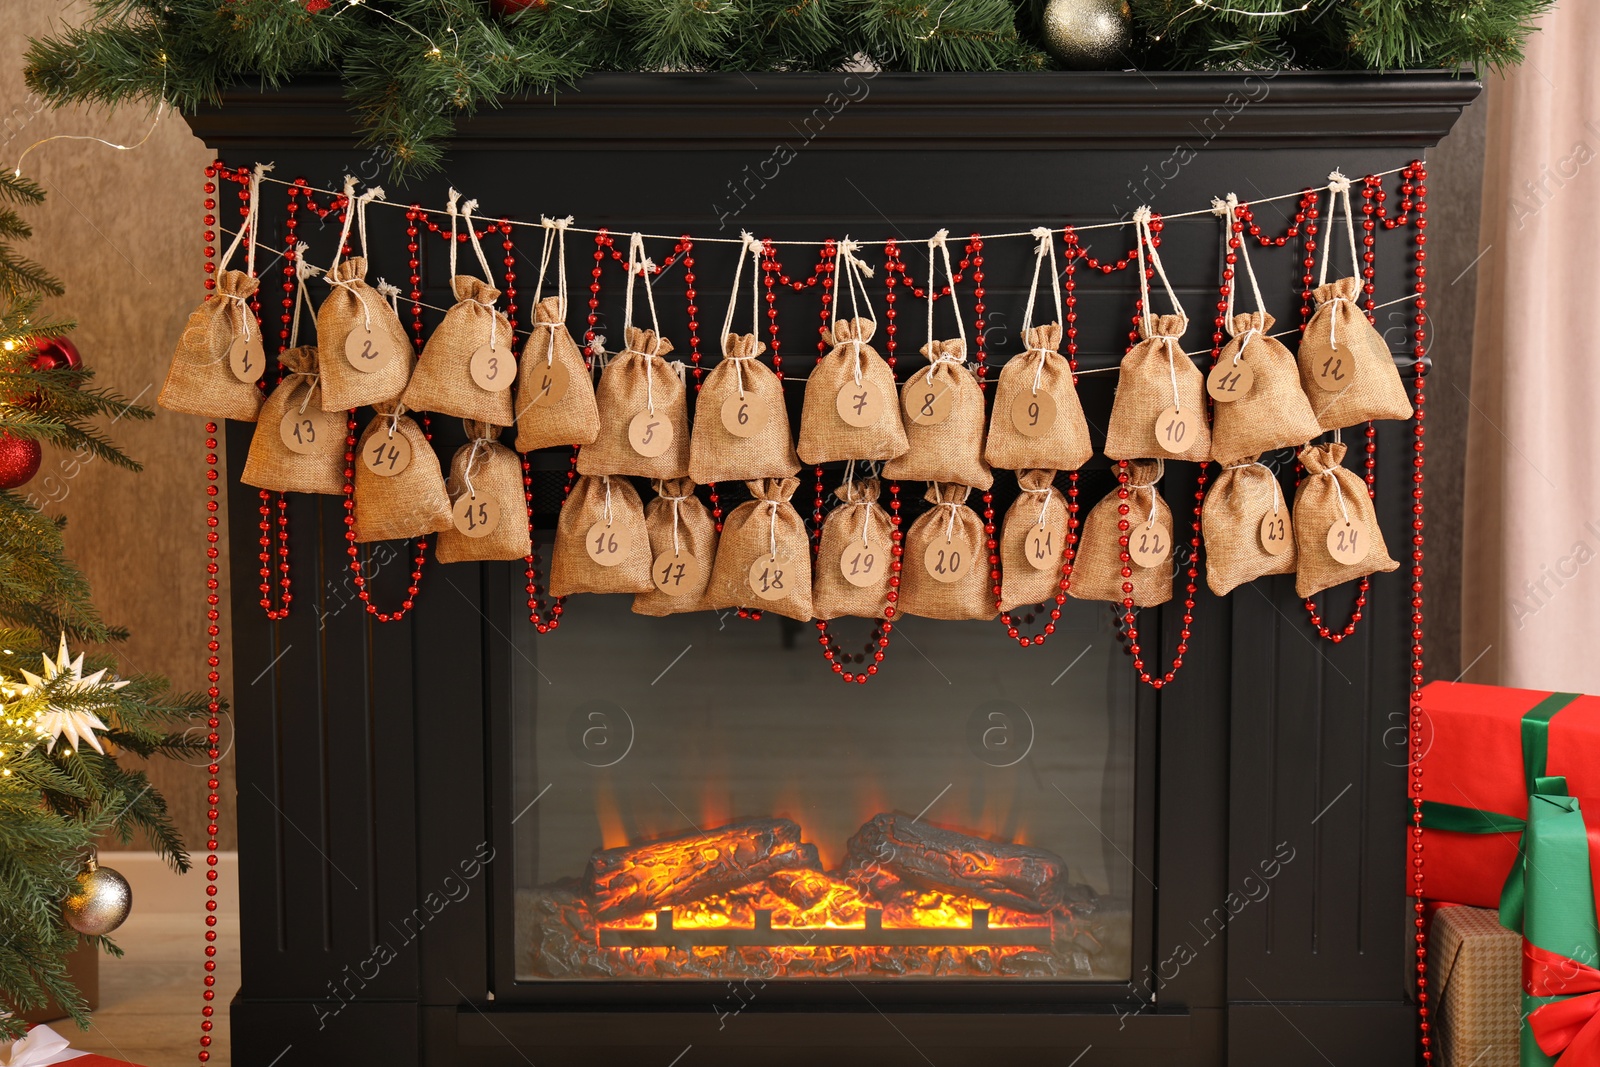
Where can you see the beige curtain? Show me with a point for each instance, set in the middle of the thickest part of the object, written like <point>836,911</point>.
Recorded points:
<point>1531,573</point>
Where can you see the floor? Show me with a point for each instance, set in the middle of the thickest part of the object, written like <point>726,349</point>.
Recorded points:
<point>150,999</point>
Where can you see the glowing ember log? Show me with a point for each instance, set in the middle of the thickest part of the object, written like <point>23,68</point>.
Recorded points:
<point>1029,879</point>
<point>654,874</point>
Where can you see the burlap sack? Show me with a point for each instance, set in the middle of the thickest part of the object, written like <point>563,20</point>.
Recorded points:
<point>1239,500</point>
<point>958,528</point>
<point>1039,506</point>
<point>639,379</point>
<point>442,381</point>
<point>1145,390</point>
<point>1339,330</point>
<point>615,502</point>
<point>824,436</point>
<point>681,528</point>
<point>200,380</point>
<point>1317,506</point>
<point>1274,413</point>
<point>765,528</point>
<point>1065,446</point>
<point>857,529</point>
<point>483,469</point>
<point>1097,572</point>
<point>409,504</point>
<point>273,465</point>
<point>951,450</point>
<point>351,303</point>
<point>574,418</point>
<point>717,454</point>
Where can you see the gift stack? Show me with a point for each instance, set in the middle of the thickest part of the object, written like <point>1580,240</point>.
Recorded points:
<point>1508,777</point>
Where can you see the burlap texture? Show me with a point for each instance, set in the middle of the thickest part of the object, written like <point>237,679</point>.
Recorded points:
<point>409,504</point>
<point>952,450</point>
<point>832,595</point>
<point>1065,446</point>
<point>442,381</point>
<point>624,392</point>
<point>715,455</point>
<point>824,436</point>
<point>1275,412</point>
<point>572,420</point>
<point>571,569</point>
<point>496,474</point>
<point>748,536</point>
<point>696,536</point>
<point>1316,509</point>
<point>271,464</point>
<point>1376,391</point>
<point>1097,571</point>
<point>346,307</point>
<point>1020,581</point>
<point>200,380</point>
<point>1230,520</point>
<point>970,597</point>
<point>1144,391</point>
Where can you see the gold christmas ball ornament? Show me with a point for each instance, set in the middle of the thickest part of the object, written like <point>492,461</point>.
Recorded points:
<point>1087,34</point>
<point>101,902</point>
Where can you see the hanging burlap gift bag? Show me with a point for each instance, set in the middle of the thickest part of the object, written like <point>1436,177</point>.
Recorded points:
<point>942,405</point>
<point>555,392</point>
<point>399,490</point>
<point>741,424</point>
<point>1345,366</point>
<point>1160,404</point>
<point>683,546</point>
<point>220,355</point>
<point>602,545</point>
<point>1336,533</point>
<point>1247,527</point>
<point>644,416</point>
<point>849,410</point>
<point>488,510</point>
<point>467,368</point>
<point>362,350</point>
<point>854,561</point>
<point>764,558</point>
<point>945,566</point>
<point>1097,572</point>
<point>1038,419</point>
<point>1033,542</point>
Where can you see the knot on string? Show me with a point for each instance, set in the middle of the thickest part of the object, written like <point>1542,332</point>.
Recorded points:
<point>555,224</point>
<point>675,491</point>
<point>642,342</point>
<point>940,240</point>
<point>1277,490</point>
<point>1029,482</point>
<point>1338,183</point>
<point>953,351</point>
<point>848,249</point>
<point>1223,207</point>
<point>957,498</point>
<point>849,331</point>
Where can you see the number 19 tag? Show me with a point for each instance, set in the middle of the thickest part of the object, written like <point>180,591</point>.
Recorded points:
<point>863,565</point>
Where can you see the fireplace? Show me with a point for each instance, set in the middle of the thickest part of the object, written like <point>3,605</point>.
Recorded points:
<point>683,840</point>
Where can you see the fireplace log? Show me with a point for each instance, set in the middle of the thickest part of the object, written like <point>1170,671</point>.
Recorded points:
<point>1028,879</point>
<point>637,878</point>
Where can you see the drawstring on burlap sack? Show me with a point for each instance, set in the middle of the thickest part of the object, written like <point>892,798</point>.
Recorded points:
<point>1161,469</point>
<point>359,215</point>
<point>1045,250</point>
<point>1277,490</point>
<point>1048,492</point>
<point>1141,222</point>
<point>754,248</point>
<point>675,501</point>
<point>240,304</point>
<point>640,265</point>
<point>483,260</point>
<point>555,238</point>
<point>1338,190</point>
<point>939,244</point>
<point>1229,209</point>
<point>856,271</point>
<point>303,269</point>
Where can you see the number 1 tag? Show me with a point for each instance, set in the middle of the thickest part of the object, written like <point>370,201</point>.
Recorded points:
<point>677,573</point>
<point>946,561</point>
<point>246,356</point>
<point>771,579</point>
<point>650,435</point>
<point>1149,544</point>
<point>1041,549</point>
<point>385,455</point>
<point>1230,381</point>
<point>607,545</point>
<point>1175,431</point>
<point>863,565</point>
<point>1347,541</point>
<point>476,516</point>
<point>1033,413</point>
<point>493,368</point>
<point>742,416</point>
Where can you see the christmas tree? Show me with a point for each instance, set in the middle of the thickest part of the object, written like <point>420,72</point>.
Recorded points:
<point>64,718</point>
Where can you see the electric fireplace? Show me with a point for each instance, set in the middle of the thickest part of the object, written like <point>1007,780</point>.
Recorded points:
<point>685,840</point>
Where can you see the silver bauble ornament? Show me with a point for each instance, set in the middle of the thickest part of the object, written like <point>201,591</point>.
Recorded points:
<point>100,903</point>
<point>1087,34</point>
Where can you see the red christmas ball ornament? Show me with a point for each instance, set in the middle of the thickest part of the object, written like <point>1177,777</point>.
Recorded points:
<point>511,7</point>
<point>55,353</point>
<point>19,460</point>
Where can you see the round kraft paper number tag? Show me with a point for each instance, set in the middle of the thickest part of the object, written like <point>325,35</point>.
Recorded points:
<point>677,573</point>
<point>607,545</point>
<point>1276,532</point>
<point>1230,381</point>
<point>1347,541</point>
<point>1175,430</point>
<point>946,561</point>
<point>1040,547</point>
<point>311,431</point>
<point>742,416</point>
<point>650,435</point>
<point>1150,544</point>
<point>476,516</point>
<point>1333,371</point>
<point>859,405</point>
<point>548,383</point>
<point>1033,413</point>
<point>771,579</point>
<point>366,350</point>
<point>493,369</point>
<point>386,454</point>
<point>928,403</point>
<point>863,564</point>
<point>246,356</point>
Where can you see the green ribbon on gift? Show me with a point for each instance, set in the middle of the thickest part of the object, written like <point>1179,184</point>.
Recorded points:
<point>1560,909</point>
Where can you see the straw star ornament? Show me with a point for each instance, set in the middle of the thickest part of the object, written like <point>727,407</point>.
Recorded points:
<point>74,725</point>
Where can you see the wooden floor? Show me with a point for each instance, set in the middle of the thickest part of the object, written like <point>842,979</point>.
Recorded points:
<point>150,999</point>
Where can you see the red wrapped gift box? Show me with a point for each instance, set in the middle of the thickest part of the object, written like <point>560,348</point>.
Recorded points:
<point>1473,758</point>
